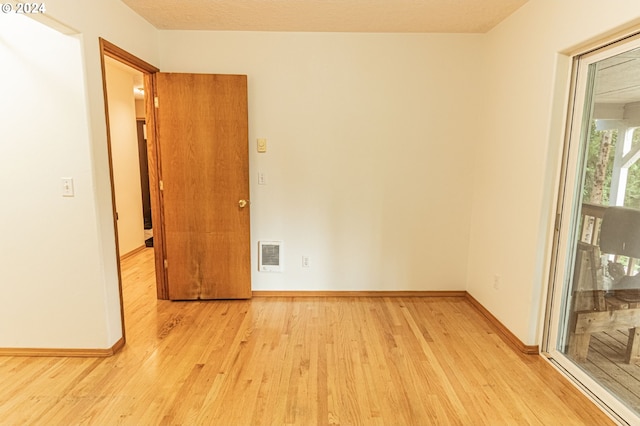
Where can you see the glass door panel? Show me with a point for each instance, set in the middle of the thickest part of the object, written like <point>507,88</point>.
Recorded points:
<point>595,320</point>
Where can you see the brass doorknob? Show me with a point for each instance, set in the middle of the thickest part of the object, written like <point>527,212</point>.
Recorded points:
<point>243,203</point>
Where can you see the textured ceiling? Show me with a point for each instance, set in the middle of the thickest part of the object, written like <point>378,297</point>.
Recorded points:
<point>402,16</point>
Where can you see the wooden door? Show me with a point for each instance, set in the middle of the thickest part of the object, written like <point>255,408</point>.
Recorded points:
<point>202,134</point>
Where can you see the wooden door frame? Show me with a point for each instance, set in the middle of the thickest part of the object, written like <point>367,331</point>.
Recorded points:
<point>108,49</point>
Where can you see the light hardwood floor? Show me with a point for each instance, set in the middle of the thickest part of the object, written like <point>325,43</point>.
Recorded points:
<point>294,360</point>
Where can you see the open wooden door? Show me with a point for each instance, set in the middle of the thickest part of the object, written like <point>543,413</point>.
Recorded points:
<point>202,136</point>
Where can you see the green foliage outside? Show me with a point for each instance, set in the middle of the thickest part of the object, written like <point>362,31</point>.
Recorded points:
<point>632,194</point>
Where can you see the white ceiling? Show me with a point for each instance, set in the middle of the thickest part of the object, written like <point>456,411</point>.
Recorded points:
<point>401,16</point>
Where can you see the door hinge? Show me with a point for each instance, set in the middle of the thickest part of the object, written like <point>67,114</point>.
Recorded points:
<point>166,264</point>
<point>558,219</point>
<point>155,102</point>
<point>161,186</point>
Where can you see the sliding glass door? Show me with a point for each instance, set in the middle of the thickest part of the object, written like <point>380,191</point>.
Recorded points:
<point>594,324</point>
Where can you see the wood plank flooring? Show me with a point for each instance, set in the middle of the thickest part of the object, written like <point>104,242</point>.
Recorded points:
<point>605,363</point>
<point>294,361</point>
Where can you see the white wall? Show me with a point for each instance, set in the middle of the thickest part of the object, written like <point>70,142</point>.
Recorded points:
<point>525,85</point>
<point>125,158</point>
<point>44,137</point>
<point>370,141</point>
<point>58,280</point>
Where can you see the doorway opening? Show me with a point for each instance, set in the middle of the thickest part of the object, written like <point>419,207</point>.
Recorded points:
<point>199,193</point>
<point>127,127</point>
<point>594,328</point>
<point>129,72</point>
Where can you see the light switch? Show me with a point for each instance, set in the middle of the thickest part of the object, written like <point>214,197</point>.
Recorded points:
<point>67,187</point>
<point>262,178</point>
<point>262,145</point>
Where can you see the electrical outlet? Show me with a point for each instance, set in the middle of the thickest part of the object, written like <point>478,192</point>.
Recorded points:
<point>306,263</point>
<point>496,282</point>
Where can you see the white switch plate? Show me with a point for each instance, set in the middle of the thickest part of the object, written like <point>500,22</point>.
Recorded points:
<point>306,262</point>
<point>67,187</point>
<point>262,178</point>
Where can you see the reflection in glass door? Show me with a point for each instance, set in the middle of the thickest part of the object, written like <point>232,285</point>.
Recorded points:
<point>595,321</point>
